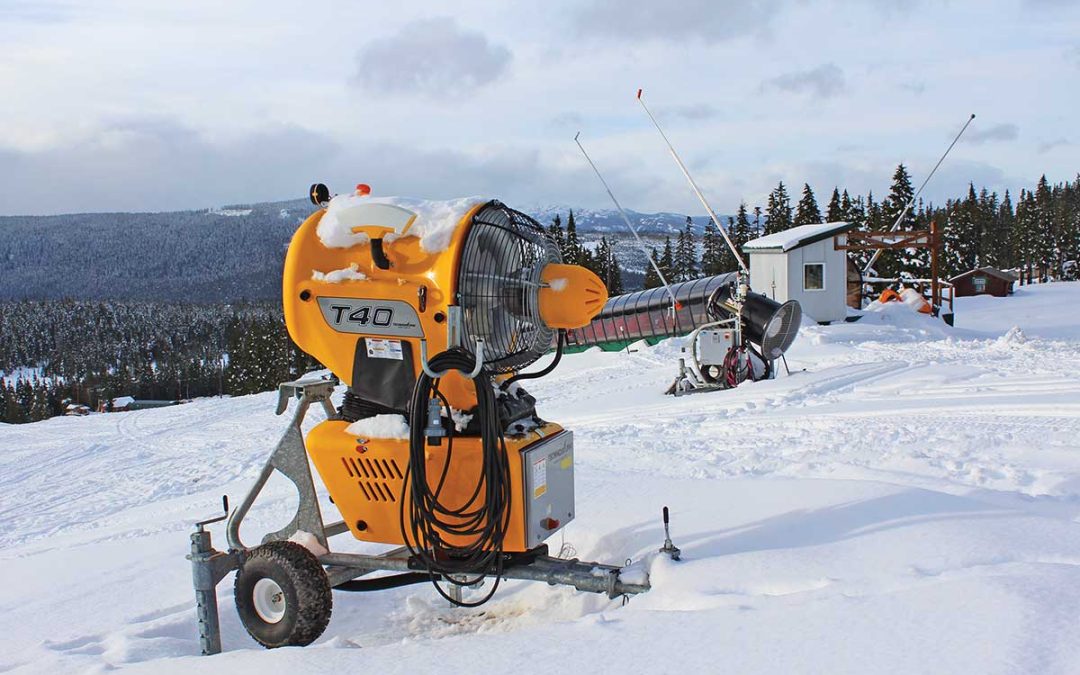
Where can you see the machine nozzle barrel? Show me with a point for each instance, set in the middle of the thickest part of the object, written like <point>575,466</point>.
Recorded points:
<point>571,296</point>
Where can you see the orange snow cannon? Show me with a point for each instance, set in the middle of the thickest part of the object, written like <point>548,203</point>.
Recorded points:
<point>429,313</point>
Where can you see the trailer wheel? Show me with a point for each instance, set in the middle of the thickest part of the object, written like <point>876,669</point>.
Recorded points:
<point>282,595</point>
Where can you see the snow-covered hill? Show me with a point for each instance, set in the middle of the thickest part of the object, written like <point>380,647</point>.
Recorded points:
<point>196,255</point>
<point>906,501</point>
<point>609,222</point>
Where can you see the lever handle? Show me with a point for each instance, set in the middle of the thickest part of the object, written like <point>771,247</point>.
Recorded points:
<point>665,516</point>
<point>378,254</point>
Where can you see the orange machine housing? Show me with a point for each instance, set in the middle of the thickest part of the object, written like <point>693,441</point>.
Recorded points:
<point>366,476</point>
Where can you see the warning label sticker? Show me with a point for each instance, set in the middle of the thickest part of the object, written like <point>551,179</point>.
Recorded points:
<point>539,477</point>
<point>383,349</point>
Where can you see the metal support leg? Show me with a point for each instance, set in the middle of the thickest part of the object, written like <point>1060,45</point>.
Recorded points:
<point>290,458</point>
<point>208,567</point>
<point>454,591</point>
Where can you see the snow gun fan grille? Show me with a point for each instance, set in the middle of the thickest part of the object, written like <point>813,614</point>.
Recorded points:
<point>781,330</point>
<point>766,323</point>
<point>503,256</point>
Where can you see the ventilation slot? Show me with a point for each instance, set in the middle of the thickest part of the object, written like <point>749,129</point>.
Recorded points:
<point>379,479</point>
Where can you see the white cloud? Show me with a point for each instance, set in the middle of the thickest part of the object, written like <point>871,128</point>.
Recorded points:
<point>207,113</point>
<point>998,132</point>
<point>435,57</point>
<point>705,20</point>
<point>824,81</point>
<point>1047,146</point>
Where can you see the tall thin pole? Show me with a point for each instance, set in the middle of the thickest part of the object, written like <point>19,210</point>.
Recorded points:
<point>693,186</point>
<point>911,202</point>
<point>626,219</point>
<point>935,288</point>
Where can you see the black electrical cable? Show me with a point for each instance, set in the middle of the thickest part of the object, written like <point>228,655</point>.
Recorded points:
<point>739,366</point>
<point>540,373</point>
<point>767,372</point>
<point>735,372</point>
<point>482,520</point>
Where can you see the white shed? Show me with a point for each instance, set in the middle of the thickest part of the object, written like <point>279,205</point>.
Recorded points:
<point>803,264</point>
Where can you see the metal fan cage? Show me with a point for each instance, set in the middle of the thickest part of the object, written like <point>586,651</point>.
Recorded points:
<point>499,285</point>
<point>781,330</point>
<point>766,323</point>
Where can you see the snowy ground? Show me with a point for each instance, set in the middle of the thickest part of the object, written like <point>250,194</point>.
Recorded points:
<point>908,503</point>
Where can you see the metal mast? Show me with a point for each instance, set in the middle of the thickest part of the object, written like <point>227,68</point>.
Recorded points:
<point>626,219</point>
<point>694,187</point>
<point>911,202</point>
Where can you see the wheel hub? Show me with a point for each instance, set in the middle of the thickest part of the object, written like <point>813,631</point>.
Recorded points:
<point>269,600</point>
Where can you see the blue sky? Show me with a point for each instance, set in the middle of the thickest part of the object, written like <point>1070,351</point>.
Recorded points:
<point>135,105</point>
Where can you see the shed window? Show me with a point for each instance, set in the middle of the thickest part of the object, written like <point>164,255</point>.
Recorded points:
<point>813,277</point>
<point>980,284</point>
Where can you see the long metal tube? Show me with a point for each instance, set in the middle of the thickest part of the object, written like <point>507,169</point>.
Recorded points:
<point>584,576</point>
<point>693,186</point>
<point>911,202</point>
<point>626,219</point>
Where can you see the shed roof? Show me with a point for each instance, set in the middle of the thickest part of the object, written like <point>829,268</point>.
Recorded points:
<point>797,236</point>
<point>991,271</point>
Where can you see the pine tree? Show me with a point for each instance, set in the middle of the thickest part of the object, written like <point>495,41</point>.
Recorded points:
<point>614,278</point>
<point>555,231</point>
<point>573,253</point>
<point>15,413</point>
<point>741,230</point>
<point>605,265</point>
<point>1043,237</point>
<point>1003,236</point>
<point>667,261</point>
<point>652,279</point>
<point>778,210</point>
<point>986,227</point>
<point>713,249</point>
<point>960,247</point>
<point>899,195</point>
<point>847,209</point>
<point>807,211</point>
<point>39,403</point>
<point>835,212</point>
<point>1025,235</point>
<point>686,254</point>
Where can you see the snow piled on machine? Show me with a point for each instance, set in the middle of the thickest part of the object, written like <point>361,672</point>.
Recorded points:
<point>434,222</point>
<point>350,273</point>
<point>904,502</point>
<point>380,426</point>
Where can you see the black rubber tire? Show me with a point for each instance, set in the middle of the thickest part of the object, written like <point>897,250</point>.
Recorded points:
<point>308,600</point>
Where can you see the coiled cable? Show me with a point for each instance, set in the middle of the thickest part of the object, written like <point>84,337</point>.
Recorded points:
<point>462,542</point>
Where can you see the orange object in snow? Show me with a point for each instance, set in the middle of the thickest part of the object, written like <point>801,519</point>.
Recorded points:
<point>889,295</point>
<point>909,296</point>
<point>915,300</point>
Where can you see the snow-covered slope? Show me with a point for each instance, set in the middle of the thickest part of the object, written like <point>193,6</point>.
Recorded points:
<point>609,221</point>
<point>906,501</point>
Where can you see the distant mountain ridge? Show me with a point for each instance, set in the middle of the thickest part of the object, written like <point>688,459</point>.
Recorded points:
<point>604,221</point>
<point>224,254</point>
